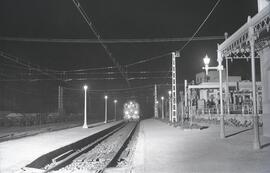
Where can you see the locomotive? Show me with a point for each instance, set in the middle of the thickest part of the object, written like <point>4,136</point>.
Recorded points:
<point>131,110</point>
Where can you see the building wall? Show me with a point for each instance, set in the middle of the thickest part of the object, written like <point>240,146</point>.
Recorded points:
<point>265,77</point>
<point>213,76</point>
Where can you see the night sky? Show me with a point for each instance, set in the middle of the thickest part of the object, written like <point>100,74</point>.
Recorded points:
<point>121,19</point>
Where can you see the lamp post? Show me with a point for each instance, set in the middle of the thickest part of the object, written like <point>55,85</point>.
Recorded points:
<point>85,126</point>
<point>115,102</point>
<point>106,108</point>
<point>170,105</point>
<point>206,61</point>
<point>162,107</point>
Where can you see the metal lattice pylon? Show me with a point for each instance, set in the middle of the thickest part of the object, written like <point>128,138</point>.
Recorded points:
<point>156,102</point>
<point>174,89</point>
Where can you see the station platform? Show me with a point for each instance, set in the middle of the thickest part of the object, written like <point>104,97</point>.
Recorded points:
<point>10,133</point>
<point>163,148</point>
<point>17,153</point>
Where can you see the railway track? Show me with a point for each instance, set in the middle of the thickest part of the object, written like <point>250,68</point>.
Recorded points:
<point>93,157</point>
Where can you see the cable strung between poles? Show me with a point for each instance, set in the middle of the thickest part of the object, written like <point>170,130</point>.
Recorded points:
<point>110,41</point>
<point>90,24</point>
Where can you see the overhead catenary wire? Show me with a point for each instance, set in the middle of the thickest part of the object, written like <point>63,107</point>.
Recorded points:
<point>63,75</point>
<point>79,79</point>
<point>200,26</point>
<point>118,89</point>
<point>104,73</point>
<point>140,61</point>
<point>109,41</point>
<point>17,60</point>
<point>145,60</point>
<point>201,38</point>
<point>90,24</point>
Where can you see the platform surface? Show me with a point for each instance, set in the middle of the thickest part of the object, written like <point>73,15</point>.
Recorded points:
<point>10,133</point>
<point>163,148</point>
<point>17,153</point>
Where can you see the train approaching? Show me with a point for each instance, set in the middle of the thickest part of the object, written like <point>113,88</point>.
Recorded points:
<point>131,110</point>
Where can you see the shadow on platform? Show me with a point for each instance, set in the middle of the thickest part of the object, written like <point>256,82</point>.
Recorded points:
<point>266,145</point>
<point>236,133</point>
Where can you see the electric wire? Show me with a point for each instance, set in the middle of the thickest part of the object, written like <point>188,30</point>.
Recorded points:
<point>78,79</point>
<point>201,25</point>
<point>27,66</point>
<point>110,41</point>
<point>18,61</point>
<point>90,24</point>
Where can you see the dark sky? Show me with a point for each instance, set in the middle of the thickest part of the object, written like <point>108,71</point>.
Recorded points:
<point>121,19</point>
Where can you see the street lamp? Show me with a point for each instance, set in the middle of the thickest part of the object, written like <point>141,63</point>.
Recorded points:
<point>170,105</point>
<point>206,61</point>
<point>162,107</point>
<point>106,108</point>
<point>115,101</point>
<point>85,126</point>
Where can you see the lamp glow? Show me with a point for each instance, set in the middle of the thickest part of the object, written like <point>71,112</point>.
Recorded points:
<point>206,60</point>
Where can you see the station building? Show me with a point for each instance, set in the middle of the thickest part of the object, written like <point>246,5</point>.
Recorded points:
<point>253,40</point>
<point>206,89</point>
